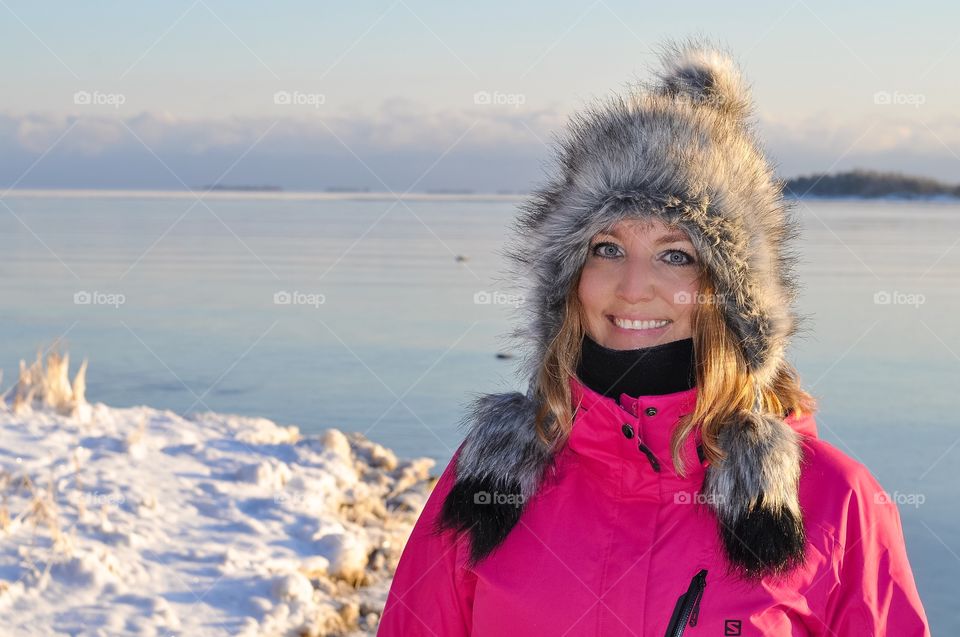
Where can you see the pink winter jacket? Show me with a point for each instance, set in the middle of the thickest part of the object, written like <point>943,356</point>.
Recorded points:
<point>612,547</point>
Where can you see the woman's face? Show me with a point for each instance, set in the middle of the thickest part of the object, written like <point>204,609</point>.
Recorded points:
<point>639,285</point>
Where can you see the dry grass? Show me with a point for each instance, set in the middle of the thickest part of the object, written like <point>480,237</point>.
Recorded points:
<point>50,387</point>
<point>36,507</point>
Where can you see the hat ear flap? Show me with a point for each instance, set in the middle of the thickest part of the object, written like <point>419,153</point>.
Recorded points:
<point>500,467</point>
<point>754,493</point>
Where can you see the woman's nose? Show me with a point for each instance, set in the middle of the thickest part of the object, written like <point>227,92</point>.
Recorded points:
<point>637,283</point>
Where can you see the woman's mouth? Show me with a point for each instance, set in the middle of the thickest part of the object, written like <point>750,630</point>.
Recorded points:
<point>639,325</point>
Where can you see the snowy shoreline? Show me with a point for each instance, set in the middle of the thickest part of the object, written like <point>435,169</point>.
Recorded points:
<point>137,521</point>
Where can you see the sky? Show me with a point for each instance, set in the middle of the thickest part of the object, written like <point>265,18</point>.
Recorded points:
<point>392,96</point>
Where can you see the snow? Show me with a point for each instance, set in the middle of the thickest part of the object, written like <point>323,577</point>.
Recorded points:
<point>137,521</point>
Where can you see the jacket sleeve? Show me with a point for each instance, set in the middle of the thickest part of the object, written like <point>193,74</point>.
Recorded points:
<point>432,590</point>
<point>876,594</point>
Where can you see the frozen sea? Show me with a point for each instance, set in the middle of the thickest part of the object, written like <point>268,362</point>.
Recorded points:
<point>353,312</point>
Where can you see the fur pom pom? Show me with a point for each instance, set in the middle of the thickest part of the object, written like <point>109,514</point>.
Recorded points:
<point>704,75</point>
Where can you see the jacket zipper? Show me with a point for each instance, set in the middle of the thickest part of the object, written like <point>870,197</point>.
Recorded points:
<point>687,609</point>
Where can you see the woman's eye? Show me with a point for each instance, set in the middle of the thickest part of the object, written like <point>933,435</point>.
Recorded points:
<point>607,250</point>
<point>684,258</point>
<point>601,250</point>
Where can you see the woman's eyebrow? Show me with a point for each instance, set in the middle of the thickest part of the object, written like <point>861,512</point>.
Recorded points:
<point>673,236</point>
<point>670,237</point>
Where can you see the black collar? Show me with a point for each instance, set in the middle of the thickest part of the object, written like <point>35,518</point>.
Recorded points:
<point>648,371</point>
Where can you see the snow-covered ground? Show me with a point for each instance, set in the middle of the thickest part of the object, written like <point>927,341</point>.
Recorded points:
<point>140,522</point>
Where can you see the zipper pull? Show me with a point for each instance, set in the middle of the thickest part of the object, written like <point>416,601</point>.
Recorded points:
<point>649,454</point>
<point>701,578</point>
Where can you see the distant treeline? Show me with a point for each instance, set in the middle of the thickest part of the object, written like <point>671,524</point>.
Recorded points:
<point>868,183</point>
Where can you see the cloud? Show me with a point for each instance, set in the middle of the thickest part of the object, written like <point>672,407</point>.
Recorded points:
<point>397,124</point>
<point>912,143</point>
<point>484,146</point>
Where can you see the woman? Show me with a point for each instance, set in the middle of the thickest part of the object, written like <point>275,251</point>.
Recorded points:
<point>662,475</point>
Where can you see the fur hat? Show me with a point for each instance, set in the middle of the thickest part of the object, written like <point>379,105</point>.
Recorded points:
<point>681,149</point>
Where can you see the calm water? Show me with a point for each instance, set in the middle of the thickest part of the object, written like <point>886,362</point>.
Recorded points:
<point>398,346</point>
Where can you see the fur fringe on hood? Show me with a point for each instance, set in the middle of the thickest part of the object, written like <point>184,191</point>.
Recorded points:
<point>682,149</point>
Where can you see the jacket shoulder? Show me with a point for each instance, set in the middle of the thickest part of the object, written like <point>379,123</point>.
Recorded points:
<point>841,497</point>
<point>871,588</point>
<point>829,468</point>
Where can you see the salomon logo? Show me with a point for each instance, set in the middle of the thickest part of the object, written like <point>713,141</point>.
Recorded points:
<point>731,627</point>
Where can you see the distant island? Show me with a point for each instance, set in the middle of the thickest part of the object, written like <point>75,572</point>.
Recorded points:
<point>449,191</point>
<point>242,188</point>
<point>347,189</point>
<point>868,184</point>
<point>853,184</point>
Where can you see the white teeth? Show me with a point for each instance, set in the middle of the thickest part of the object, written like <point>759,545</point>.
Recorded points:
<point>639,325</point>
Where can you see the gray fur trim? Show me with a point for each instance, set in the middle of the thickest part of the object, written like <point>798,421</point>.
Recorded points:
<point>502,448</point>
<point>763,456</point>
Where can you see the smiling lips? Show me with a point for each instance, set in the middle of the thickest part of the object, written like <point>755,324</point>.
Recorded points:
<point>640,324</point>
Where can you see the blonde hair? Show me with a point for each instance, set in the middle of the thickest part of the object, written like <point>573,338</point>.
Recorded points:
<point>724,383</point>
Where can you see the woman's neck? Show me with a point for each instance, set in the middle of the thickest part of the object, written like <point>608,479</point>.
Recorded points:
<point>648,371</point>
